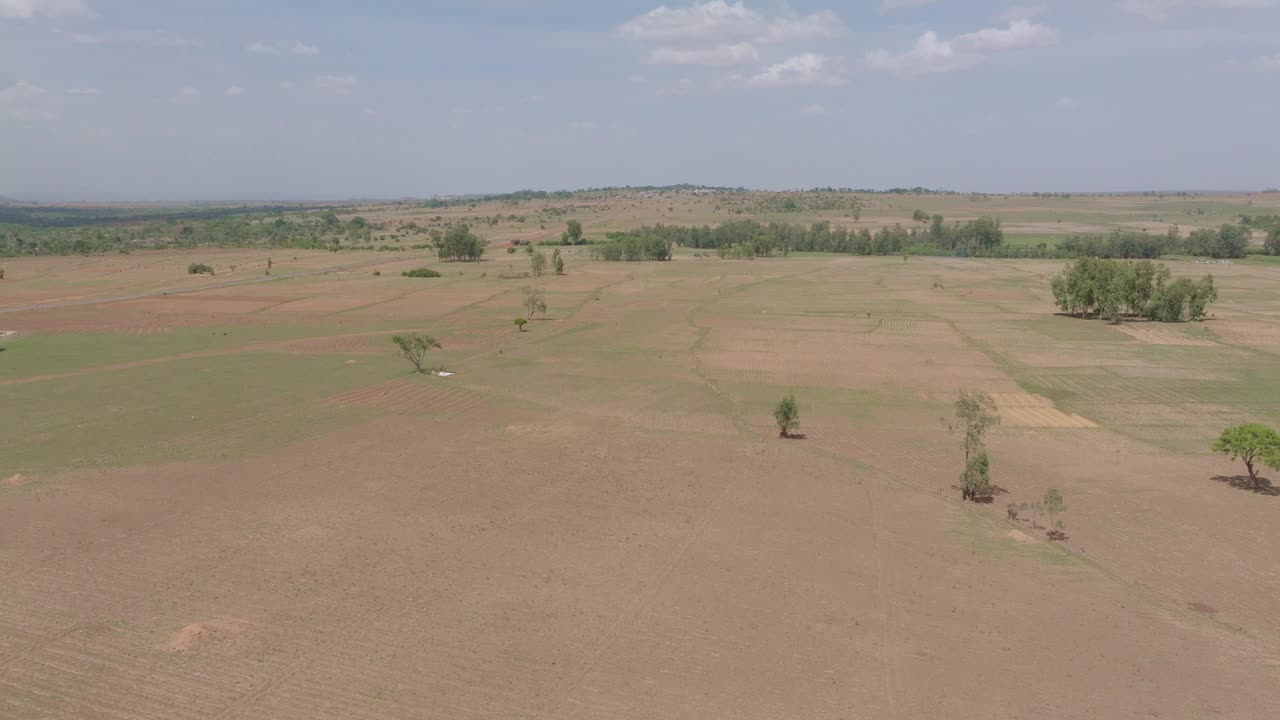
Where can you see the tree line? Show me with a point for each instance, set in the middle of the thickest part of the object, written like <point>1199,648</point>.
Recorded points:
<point>1116,289</point>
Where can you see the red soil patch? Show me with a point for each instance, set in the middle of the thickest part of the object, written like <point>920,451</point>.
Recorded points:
<point>198,634</point>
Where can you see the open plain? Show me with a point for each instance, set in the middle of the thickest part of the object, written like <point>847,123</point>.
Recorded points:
<point>234,501</point>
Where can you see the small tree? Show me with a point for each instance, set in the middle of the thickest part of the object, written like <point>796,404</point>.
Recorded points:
<point>557,261</point>
<point>787,414</point>
<point>520,323</point>
<point>975,483</point>
<point>199,269</point>
<point>573,233</point>
<point>1251,443</point>
<point>539,263</point>
<point>975,415</point>
<point>1054,504</point>
<point>414,348</point>
<point>535,301</point>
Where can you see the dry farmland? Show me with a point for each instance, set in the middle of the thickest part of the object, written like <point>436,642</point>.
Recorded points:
<point>235,501</point>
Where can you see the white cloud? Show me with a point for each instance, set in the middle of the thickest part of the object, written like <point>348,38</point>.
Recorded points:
<point>1067,103</point>
<point>28,9</point>
<point>235,91</point>
<point>334,84</point>
<point>281,47</point>
<point>718,22</point>
<point>722,34</point>
<point>82,91</point>
<point>717,56</point>
<point>934,55</point>
<point>814,110</point>
<point>1268,62</point>
<point>138,38</point>
<point>21,92</point>
<point>806,69</point>
<point>1159,9</point>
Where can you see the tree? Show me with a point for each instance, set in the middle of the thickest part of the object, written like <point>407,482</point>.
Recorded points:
<point>920,216</point>
<point>787,414</point>
<point>539,263</point>
<point>520,323</point>
<point>975,415</point>
<point>460,244</point>
<point>975,483</point>
<point>1054,504</point>
<point>414,348</point>
<point>573,233</point>
<point>557,262</point>
<point>535,301</point>
<point>1252,443</point>
<point>1272,243</point>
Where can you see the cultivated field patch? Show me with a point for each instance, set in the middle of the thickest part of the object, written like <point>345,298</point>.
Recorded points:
<point>1034,411</point>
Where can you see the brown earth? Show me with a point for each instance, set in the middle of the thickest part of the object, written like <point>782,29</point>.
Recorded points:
<point>594,518</point>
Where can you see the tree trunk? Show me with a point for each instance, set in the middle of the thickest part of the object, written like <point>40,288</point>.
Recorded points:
<point>1253,474</point>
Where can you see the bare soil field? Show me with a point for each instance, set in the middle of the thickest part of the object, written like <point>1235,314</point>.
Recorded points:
<point>237,502</point>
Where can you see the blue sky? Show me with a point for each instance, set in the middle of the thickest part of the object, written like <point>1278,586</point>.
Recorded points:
<point>233,99</point>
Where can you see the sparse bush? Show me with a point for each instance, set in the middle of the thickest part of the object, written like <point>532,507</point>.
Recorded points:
<point>1054,505</point>
<point>1252,443</point>
<point>535,301</point>
<point>787,415</point>
<point>460,244</point>
<point>199,269</point>
<point>414,348</point>
<point>975,483</point>
<point>421,273</point>
<point>377,273</point>
<point>538,263</point>
<point>557,262</point>
<point>520,323</point>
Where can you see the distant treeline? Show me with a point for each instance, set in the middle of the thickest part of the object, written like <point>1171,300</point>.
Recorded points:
<point>40,216</point>
<point>314,230</point>
<point>750,238</point>
<point>1228,241</point>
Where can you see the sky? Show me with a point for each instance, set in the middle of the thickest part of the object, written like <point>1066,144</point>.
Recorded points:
<point>325,100</point>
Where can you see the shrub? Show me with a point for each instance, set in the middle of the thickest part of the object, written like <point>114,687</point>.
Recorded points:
<point>520,323</point>
<point>538,262</point>
<point>558,262</point>
<point>787,415</point>
<point>975,483</point>
<point>199,269</point>
<point>377,273</point>
<point>421,273</point>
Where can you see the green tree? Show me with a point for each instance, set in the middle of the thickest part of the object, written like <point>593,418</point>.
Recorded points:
<point>535,301</point>
<point>975,415</point>
<point>1252,443</point>
<point>557,262</point>
<point>1272,243</point>
<point>920,216</point>
<point>975,483</point>
<point>459,243</point>
<point>538,262</point>
<point>573,232</point>
<point>414,348</point>
<point>520,323</point>
<point>787,414</point>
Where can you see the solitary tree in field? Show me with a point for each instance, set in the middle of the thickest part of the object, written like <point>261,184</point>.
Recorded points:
<point>535,301</point>
<point>1252,443</point>
<point>539,262</point>
<point>520,323</point>
<point>787,414</point>
<point>975,415</point>
<point>573,233</point>
<point>557,262</point>
<point>414,348</point>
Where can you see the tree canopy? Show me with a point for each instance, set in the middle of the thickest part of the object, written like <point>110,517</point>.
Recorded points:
<point>1252,443</point>
<point>1115,289</point>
